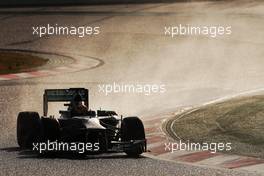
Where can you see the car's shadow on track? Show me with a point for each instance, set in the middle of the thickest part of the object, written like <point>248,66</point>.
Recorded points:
<point>29,154</point>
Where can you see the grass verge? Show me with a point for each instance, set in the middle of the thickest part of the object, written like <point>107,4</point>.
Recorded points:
<point>19,62</point>
<point>239,121</point>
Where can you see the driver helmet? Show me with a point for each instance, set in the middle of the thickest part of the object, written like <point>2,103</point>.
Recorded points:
<point>77,98</point>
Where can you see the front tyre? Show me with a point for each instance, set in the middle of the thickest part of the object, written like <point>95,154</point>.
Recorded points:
<point>132,128</point>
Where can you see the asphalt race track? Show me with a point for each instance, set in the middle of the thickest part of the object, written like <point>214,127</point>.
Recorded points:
<point>131,48</point>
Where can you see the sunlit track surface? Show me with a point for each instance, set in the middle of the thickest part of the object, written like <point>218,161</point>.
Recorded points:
<point>132,48</point>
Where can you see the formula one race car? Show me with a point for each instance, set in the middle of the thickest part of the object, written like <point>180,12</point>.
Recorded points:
<point>100,131</point>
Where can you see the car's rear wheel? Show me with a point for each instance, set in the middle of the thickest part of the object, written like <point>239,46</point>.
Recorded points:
<point>29,129</point>
<point>132,128</point>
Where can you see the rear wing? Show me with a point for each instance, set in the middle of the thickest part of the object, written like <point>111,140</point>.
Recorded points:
<point>63,95</point>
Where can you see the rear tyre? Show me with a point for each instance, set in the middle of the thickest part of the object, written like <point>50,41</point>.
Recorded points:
<point>132,128</point>
<point>29,129</point>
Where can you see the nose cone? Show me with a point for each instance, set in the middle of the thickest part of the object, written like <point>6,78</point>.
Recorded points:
<point>92,123</point>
